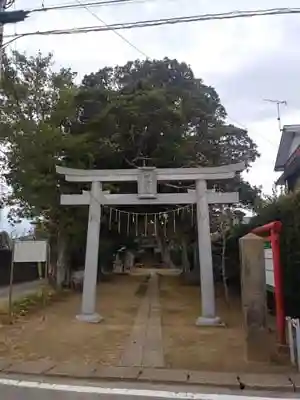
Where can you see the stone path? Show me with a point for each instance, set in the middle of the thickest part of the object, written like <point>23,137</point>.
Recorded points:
<point>144,347</point>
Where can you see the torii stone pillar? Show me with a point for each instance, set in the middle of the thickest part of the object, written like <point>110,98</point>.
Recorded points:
<point>208,308</point>
<point>88,305</point>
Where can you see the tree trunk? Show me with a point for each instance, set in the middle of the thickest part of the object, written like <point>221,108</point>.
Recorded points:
<point>129,260</point>
<point>184,256</point>
<point>192,276</point>
<point>223,269</point>
<point>167,256</point>
<point>225,223</point>
<point>62,265</point>
<point>165,252</point>
<point>118,264</point>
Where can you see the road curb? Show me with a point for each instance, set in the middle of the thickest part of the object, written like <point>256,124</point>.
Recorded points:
<point>257,382</point>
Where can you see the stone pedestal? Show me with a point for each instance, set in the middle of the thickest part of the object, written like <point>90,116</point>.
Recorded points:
<point>253,285</point>
<point>205,321</point>
<point>90,318</point>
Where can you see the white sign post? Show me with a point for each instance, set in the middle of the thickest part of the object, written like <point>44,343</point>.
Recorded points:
<point>27,251</point>
<point>30,251</point>
<point>269,267</point>
<point>35,251</point>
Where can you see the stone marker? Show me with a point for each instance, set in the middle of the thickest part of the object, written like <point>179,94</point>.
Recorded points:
<point>253,285</point>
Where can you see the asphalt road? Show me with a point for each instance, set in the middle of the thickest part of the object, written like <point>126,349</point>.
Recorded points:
<point>9,393</point>
<point>17,389</point>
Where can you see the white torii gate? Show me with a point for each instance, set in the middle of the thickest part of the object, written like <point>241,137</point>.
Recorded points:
<point>147,178</point>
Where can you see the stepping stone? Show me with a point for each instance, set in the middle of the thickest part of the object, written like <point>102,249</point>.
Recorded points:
<point>144,347</point>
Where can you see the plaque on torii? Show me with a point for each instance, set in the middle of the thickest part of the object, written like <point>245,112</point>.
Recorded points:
<point>147,183</point>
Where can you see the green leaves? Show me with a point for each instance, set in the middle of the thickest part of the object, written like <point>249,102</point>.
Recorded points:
<point>118,116</point>
<point>285,208</point>
<point>35,103</point>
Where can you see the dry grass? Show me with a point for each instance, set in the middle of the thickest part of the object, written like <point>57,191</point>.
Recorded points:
<point>202,348</point>
<point>30,303</point>
<point>55,334</point>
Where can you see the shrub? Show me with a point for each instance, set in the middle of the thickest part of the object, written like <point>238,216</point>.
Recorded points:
<point>287,210</point>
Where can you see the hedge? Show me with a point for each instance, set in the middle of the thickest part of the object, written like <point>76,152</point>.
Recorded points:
<point>287,210</point>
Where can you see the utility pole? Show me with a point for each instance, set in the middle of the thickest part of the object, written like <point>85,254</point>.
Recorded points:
<point>2,9</point>
<point>8,17</point>
<point>278,104</point>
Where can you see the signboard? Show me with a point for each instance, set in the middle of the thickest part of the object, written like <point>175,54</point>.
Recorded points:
<point>30,251</point>
<point>270,282</point>
<point>147,183</point>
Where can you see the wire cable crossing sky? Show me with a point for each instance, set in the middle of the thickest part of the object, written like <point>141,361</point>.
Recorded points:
<point>88,4</point>
<point>246,59</point>
<point>163,21</point>
<point>87,8</point>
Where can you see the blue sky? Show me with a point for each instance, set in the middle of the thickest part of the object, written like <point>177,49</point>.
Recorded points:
<point>246,60</point>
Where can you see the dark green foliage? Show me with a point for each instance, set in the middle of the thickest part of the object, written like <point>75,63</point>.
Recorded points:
<point>287,210</point>
<point>154,109</point>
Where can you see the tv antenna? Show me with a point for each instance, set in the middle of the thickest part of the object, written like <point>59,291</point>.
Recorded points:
<point>278,103</point>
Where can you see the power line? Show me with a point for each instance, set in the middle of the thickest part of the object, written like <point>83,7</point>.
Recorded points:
<point>6,44</point>
<point>237,122</point>
<point>114,31</point>
<point>3,6</point>
<point>254,131</point>
<point>87,4</point>
<point>164,21</point>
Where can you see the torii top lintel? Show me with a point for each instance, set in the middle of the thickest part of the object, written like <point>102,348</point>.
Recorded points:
<point>162,174</point>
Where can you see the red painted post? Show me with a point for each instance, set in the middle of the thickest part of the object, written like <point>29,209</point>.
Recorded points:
<point>280,315</point>
<point>274,229</point>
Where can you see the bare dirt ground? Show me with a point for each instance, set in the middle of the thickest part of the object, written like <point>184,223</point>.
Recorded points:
<point>55,334</point>
<point>187,346</point>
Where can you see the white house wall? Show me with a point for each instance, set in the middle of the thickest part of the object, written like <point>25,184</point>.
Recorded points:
<point>295,143</point>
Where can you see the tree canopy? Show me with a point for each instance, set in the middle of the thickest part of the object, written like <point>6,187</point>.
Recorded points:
<point>118,117</point>
<point>159,110</point>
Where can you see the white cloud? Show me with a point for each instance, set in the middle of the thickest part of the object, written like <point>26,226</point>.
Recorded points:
<point>246,60</point>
